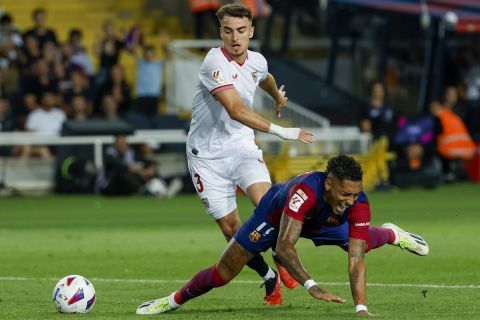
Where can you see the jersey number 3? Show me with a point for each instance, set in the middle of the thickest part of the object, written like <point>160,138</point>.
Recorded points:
<point>198,182</point>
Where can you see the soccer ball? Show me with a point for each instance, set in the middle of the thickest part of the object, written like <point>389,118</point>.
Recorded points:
<point>74,294</point>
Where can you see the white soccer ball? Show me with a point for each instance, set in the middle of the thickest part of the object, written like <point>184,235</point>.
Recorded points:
<point>74,294</point>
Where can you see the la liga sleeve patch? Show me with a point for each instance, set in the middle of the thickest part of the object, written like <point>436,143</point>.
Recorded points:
<point>297,200</point>
<point>217,76</point>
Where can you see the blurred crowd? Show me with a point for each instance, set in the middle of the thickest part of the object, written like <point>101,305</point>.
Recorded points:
<point>430,148</point>
<point>44,82</point>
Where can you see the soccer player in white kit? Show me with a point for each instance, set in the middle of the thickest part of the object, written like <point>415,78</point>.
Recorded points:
<point>221,149</point>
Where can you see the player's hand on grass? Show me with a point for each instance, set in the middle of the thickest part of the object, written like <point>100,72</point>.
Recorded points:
<point>305,136</point>
<point>320,294</point>
<point>281,101</point>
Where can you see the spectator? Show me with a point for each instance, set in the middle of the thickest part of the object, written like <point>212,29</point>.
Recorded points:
<point>6,119</point>
<point>79,108</point>
<point>117,87</point>
<point>9,34</point>
<point>79,85</point>
<point>416,162</point>
<point>41,80</point>
<point>452,101</point>
<point>31,52</point>
<point>10,44</point>
<point>453,142</point>
<point>79,54</point>
<point>6,123</point>
<point>378,117</point>
<point>108,48</point>
<point>45,120</point>
<point>125,174</point>
<point>149,82</point>
<point>40,31</point>
<point>109,108</point>
<point>204,10</point>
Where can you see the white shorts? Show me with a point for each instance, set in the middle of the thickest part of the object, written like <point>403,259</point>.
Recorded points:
<point>216,180</point>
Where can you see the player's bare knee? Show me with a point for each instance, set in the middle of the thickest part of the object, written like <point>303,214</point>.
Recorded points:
<point>229,232</point>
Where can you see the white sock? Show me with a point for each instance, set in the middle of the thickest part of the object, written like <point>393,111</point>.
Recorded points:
<point>397,238</point>
<point>172,302</point>
<point>270,274</point>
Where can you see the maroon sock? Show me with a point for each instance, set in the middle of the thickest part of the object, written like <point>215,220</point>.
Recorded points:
<point>201,283</point>
<point>377,237</point>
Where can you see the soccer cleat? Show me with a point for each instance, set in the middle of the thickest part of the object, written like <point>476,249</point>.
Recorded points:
<point>273,290</point>
<point>408,240</point>
<point>286,278</point>
<point>155,306</point>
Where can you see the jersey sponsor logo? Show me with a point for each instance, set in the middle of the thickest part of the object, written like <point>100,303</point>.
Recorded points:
<point>234,76</point>
<point>217,76</point>
<point>254,236</point>
<point>302,194</point>
<point>296,201</point>
<point>254,76</point>
<point>361,224</point>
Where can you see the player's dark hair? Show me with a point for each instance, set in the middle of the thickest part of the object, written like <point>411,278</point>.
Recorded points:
<point>234,10</point>
<point>344,167</point>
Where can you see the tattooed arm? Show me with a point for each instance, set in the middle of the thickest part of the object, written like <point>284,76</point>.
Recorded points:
<point>288,235</point>
<point>356,270</point>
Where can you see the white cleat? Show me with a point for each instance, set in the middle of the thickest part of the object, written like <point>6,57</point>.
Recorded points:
<point>158,306</point>
<point>408,240</point>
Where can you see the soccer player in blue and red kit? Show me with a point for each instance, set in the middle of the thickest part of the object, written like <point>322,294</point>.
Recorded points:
<point>327,207</point>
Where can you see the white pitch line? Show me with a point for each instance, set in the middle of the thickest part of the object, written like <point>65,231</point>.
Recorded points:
<point>394,285</point>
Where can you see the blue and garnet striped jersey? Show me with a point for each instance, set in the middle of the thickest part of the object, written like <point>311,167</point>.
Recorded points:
<point>302,198</point>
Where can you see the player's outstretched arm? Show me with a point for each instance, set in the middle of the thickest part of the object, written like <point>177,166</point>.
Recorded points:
<point>278,94</point>
<point>231,101</point>
<point>357,275</point>
<point>288,235</point>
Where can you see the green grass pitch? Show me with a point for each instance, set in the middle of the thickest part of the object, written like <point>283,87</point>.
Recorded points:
<point>121,244</point>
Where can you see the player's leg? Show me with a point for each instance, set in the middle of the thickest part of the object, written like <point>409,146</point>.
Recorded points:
<point>255,236</point>
<point>251,174</point>
<point>255,192</point>
<point>217,192</point>
<point>230,264</point>
<point>391,234</point>
<point>377,237</point>
<point>229,224</point>
<point>409,241</point>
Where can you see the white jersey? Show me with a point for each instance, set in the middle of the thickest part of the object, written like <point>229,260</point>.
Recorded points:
<point>213,134</point>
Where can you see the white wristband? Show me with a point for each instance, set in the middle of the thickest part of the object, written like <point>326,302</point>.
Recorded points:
<point>284,133</point>
<point>360,307</point>
<point>309,283</point>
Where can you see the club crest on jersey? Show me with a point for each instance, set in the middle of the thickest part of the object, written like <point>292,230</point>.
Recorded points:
<point>254,76</point>
<point>217,76</point>
<point>297,200</point>
<point>254,236</point>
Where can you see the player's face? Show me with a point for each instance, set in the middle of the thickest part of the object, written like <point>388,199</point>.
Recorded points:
<point>341,194</point>
<point>236,33</point>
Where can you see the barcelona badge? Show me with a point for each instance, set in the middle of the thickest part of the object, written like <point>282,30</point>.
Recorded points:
<point>254,236</point>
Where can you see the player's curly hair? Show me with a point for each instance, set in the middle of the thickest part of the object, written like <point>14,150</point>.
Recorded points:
<point>234,10</point>
<point>344,167</point>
